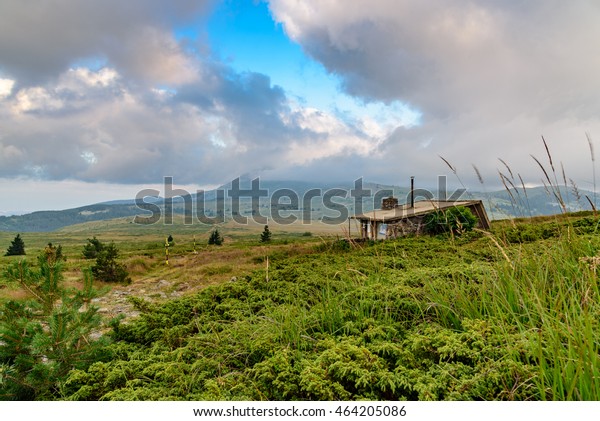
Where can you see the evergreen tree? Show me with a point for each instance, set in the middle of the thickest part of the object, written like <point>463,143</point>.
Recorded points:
<point>107,269</point>
<point>266,235</point>
<point>59,253</point>
<point>92,248</point>
<point>215,238</point>
<point>17,247</point>
<point>46,336</point>
<point>54,253</point>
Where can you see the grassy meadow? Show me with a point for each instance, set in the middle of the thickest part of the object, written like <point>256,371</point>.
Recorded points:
<point>511,314</point>
<point>142,250</point>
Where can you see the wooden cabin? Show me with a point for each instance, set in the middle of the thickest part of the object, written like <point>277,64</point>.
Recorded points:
<point>394,220</point>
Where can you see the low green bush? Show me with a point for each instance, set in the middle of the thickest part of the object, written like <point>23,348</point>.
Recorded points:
<point>456,220</point>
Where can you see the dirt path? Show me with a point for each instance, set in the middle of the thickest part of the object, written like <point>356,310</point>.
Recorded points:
<point>115,302</point>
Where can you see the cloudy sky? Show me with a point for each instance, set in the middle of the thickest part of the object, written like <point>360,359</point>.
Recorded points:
<point>101,99</point>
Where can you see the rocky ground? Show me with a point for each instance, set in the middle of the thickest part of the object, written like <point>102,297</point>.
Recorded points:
<point>115,302</point>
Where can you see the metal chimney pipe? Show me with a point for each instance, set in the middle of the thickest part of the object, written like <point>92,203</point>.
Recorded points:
<point>412,191</point>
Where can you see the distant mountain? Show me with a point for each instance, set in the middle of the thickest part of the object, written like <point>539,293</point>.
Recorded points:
<point>8,212</point>
<point>534,202</point>
<point>131,202</point>
<point>42,221</point>
<point>499,204</point>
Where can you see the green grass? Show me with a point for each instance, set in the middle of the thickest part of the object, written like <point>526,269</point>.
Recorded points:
<point>141,248</point>
<point>548,295</point>
<point>508,315</point>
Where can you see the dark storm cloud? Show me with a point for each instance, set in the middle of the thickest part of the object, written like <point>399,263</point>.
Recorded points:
<point>455,56</point>
<point>41,39</point>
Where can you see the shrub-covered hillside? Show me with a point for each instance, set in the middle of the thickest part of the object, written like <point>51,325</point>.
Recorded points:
<point>509,316</point>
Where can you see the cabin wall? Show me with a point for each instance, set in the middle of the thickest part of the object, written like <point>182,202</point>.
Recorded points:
<point>372,230</point>
<point>482,220</point>
<point>409,226</point>
<point>413,225</point>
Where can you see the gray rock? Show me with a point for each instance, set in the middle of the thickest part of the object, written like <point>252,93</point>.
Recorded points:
<point>163,283</point>
<point>183,287</point>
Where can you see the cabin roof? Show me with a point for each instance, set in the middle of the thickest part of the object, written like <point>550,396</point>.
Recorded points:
<point>421,207</point>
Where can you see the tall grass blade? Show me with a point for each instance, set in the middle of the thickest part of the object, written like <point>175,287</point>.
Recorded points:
<point>591,145</point>
<point>549,154</point>
<point>453,169</point>
<point>448,164</point>
<point>555,186</point>
<point>525,193</point>
<point>551,187</point>
<point>506,180</point>
<point>591,204</point>
<point>542,168</point>
<point>564,177</point>
<point>507,168</point>
<point>576,192</point>
<point>479,177</point>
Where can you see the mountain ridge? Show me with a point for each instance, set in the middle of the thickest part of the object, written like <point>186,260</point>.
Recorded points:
<point>500,204</point>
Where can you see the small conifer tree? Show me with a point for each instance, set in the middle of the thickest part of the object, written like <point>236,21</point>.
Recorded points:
<point>54,253</point>
<point>215,238</point>
<point>92,248</point>
<point>107,269</point>
<point>265,237</point>
<point>17,247</point>
<point>47,335</point>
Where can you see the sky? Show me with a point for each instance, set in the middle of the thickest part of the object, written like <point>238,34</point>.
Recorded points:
<point>99,100</point>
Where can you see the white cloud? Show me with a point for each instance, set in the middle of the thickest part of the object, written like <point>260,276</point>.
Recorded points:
<point>72,91</point>
<point>36,99</point>
<point>102,78</point>
<point>487,77</point>
<point>91,125</point>
<point>332,138</point>
<point>471,81</point>
<point>89,157</point>
<point>6,87</point>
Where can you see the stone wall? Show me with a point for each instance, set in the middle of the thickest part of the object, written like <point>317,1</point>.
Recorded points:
<point>409,226</point>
